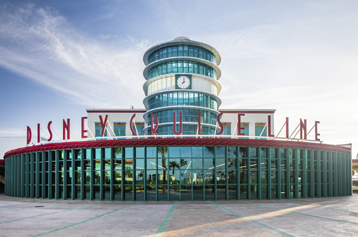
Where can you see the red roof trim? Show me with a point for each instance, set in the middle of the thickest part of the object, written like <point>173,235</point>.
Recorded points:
<point>247,112</point>
<point>179,142</point>
<point>116,111</point>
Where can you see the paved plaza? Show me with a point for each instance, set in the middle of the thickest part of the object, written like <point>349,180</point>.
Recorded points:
<point>336,216</point>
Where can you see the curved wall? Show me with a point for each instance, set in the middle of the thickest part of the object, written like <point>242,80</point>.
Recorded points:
<point>179,169</point>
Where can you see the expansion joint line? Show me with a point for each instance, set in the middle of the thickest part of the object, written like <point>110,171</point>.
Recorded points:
<point>300,213</point>
<point>253,221</point>
<point>88,219</point>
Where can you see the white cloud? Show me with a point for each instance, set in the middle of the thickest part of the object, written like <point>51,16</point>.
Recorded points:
<point>44,47</point>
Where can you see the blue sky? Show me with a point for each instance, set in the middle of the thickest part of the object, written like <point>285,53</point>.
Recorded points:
<point>58,58</point>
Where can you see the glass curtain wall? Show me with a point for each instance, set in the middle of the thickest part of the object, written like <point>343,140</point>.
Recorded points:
<point>178,173</point>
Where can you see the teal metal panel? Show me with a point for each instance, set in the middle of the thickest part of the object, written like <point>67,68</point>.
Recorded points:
<point>145,174</point>
<point>330,174</point>
<point>226,173</point>
<point>313,181</point>
<point>57,174</point>
<point>340,174</point>
<point>83,173</point>
<point>324,172</point>
<point>319,170</point>
<point>335,174</point>
<point>27,176</point>
<point>65,171</point>
<point>122,174</point>
<point>296,160</point>
<point>50,165</point>
<point>303,154</point>
<point>43,192</point>
<point>32,177</point>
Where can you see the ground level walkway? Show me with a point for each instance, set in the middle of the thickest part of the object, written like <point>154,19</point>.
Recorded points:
<point>336,216</point>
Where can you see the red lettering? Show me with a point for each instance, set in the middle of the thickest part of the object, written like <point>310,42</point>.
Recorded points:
<point>49,130</point>
<point>66,127</point>
<point>153,130</point>
<point>269,126</point>
<point>83,131</point>
<point>220,124</point>
<point>28,136</point>
<point>239,128</point>
<point>180,126</point>
<point>131,125</point>
<point>303,127</point>
<point>287,132</point>
<point>103,123</point>
<point>316,131</point>
<point>38,133</point>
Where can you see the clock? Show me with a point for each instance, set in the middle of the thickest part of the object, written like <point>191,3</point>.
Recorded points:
<point>183,82</point>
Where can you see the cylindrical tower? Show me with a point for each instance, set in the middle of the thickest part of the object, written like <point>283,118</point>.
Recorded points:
<point>182,77</point>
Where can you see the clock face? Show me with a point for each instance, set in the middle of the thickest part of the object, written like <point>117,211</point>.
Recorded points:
<point>183,82</point>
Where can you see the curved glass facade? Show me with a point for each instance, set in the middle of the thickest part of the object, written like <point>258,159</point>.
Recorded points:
<point>181,67</point>
<point>189,115</point>
<point>182,98</point>
<point>182,51</point>
<point>178,173</point>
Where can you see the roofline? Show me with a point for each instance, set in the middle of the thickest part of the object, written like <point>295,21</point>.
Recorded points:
<point>183,40</point>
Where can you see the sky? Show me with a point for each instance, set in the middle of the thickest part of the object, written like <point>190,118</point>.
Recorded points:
<point>58,58</point>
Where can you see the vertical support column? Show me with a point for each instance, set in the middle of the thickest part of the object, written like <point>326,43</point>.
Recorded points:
<point>14,158</point>
<point>324,172</point>
<point>156,177</point>
<point>248,173</point>
<point>101,188</point>
<point>123,174</point>
<point>259,174</point>
<point>83,173</point>
<point>313,182</point>
<point>350,174</point>
<point>319,171</point>
<point>37,192</point>
<point>238,172</point>
<point>93,167</point>
<point>111,189</point>
<point>65,168</point>
<point>145,174</point>
<point>32,176</point>
<point>43,175</point>
<point>278,172</point>
<point>344,174</point>
<point>73,171</point>
<point>335,171</point>
<point>340,174</point>
<point>304,173</point>
<point>330,174</point>
<point>22,176</point>
<point>288,172</point>
<point>57,174</point>
<point>50,185</point>
<point>269,183</point>
<point>226,174</point>
<point>27,175</point>
<point>296,160</point>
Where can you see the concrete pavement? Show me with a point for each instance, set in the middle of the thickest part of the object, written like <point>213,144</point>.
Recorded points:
<point>336,216</point>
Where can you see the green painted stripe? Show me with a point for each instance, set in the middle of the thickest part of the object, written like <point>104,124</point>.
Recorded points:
<point>256,222</point>
<point>29,217</point>
<point>87,220</point>
<point>166,220</point>
<point>326,218</point>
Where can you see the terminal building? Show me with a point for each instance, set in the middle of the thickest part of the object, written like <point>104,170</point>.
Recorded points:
<point>182,146</point>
